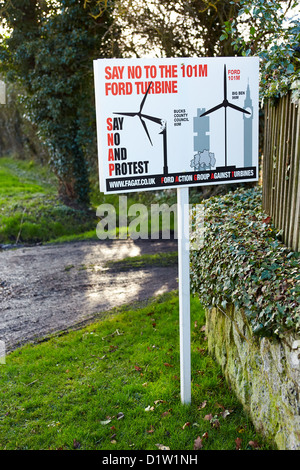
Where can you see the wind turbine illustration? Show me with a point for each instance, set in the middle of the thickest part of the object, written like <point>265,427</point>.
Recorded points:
<point>225,104</point>
<point>157,120</point>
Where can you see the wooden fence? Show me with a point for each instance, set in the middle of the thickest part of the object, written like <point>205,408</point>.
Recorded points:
<point>281,169</point>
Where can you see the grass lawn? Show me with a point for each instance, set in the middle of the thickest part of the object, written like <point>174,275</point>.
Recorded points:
<point>114,385</point>
<point>30,209</point>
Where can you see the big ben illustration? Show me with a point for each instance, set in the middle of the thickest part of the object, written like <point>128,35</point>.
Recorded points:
<point>248,128</point>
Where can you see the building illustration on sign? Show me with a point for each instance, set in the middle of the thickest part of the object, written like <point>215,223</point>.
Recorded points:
<point>206,160</point>
<point>248,129</point>
<point>203,159</point>
<point>225,104</point>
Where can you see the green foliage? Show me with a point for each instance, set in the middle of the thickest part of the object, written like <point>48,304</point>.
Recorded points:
<point>114,385</point>
<point>171,28</point>
<point>50,50</point>
<point>243,262</point>
<point>271,30</point>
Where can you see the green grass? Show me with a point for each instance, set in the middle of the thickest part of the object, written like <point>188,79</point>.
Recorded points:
<point>114,385</point>
<point>31,212</point>
<point>143,261</point>
<point>30,209</point>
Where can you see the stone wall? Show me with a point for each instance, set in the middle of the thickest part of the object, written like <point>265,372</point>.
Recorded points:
<point>263,372</point>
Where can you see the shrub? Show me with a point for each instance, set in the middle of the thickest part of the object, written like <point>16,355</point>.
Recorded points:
<point>243,262</point>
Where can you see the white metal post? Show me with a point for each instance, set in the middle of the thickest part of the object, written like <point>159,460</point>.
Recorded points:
<point>2,92</point>
<point>184,293</point>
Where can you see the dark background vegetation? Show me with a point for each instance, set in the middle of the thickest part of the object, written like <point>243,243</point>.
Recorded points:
<point>46,59</point>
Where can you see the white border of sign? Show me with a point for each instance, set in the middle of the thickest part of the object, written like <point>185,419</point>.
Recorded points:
<point>180,122</point>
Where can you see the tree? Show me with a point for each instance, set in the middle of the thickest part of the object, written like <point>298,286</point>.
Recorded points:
<point>172,28</point>
<point>271,30</point>
<point>49,50</point>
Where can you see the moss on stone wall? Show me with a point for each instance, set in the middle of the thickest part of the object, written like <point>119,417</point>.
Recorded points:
<point>263,372</point>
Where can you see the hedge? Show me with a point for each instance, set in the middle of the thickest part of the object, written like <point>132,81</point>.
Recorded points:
<point>243,262</point>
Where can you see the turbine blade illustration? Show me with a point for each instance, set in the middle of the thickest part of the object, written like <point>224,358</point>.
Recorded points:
<point>146,130</point>
<point>233,106</point>
<point>144,99</point>
<point>143,116</point>
<point>212,109</point>
<point>225,84</point>
<point>127,114</point>
<point>152,118</point>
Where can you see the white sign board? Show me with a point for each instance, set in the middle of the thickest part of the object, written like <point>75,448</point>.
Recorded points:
<point>176,122</point>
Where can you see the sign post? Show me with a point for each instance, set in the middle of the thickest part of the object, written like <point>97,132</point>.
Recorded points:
<point>184,293</point>
<point>2,92</point>
<point>177,123</point>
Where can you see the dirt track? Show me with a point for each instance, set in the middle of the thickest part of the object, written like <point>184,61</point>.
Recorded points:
<point>46,289</point>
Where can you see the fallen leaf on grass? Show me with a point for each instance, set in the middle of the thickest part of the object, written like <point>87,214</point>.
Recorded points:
<point>254,444</point>
<point>225,413</point>
<point>217,405</point>
<point>149,408</point>
<point>201,351</point>
<point>185,425</point>
<point>198,443</point>
<point>162,447</point>
<point>203,405</point>
<point>167,364</point>
<point>215,423</point>
<point>76,444</point>
<point>107,421</point>
<point>238,443</point>
<point>241,429</point>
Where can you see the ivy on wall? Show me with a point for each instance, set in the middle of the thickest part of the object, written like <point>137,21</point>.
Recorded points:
<point>243,262</point>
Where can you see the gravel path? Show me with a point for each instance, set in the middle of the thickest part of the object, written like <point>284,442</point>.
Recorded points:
<point>50,288</point>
